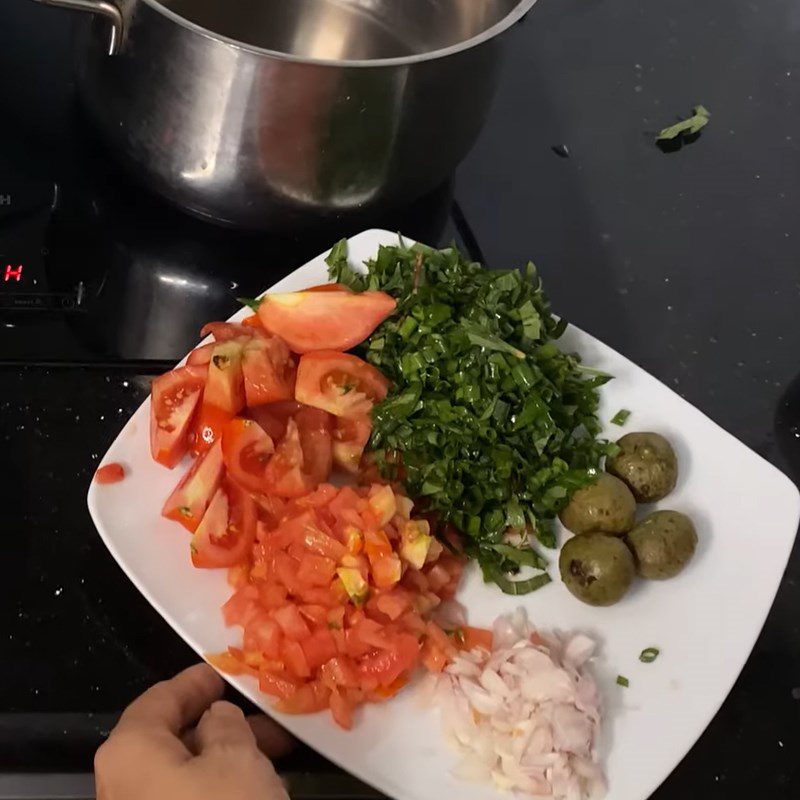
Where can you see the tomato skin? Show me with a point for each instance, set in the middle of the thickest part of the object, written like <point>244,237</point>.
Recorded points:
<point>109,473</point>
<point>340,383</point>
<point>295,660</point>
<point>268,369</point>
<point>308,699</point>
<point>246,450</point>
<point>264,635</point>
<point>320,320</point>
<point>227,531</point>
<point>189,500</point>
<point>174,397</point>
<point>228,663</point>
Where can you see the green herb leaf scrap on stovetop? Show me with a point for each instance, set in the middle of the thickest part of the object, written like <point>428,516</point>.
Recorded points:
<point>495,426</point>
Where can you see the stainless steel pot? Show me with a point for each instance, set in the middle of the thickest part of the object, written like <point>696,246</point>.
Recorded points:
<point>257,113</point>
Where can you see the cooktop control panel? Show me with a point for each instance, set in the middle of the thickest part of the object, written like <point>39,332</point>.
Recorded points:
<point>26,212</point>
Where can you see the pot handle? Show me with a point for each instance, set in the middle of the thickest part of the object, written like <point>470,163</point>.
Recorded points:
<point>103,8</point>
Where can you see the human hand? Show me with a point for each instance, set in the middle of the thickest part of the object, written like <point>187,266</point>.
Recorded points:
<point>156,753</point>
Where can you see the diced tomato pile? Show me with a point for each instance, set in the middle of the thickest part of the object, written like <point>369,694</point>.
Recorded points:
<point>333,586</point>
<point>334,602</point>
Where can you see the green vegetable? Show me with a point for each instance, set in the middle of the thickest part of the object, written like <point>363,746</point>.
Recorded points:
<point>250,302</point>
<point>495,427</point>
<point>623,681</point>
<point>691,125</point>
<point>621,417</point>
<point>649,655</point>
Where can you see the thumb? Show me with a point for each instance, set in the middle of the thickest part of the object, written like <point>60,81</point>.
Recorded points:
<point>224,726</point>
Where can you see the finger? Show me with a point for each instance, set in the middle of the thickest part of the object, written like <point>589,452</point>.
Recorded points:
<point>272,740</point>
<point>174,704</point>
<point>224,726</point>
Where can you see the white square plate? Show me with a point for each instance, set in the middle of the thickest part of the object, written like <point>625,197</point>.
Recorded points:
<point>705,621</point>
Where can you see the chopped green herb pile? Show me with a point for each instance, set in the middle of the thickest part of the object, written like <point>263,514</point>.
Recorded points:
<point>649,655</point>
<point>686,127</point>
<point>621,417</point>
<point>494,426</point>
<point>623,681</point>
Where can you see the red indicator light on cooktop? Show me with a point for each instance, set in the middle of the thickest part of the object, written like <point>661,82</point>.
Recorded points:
<point>12,273</point>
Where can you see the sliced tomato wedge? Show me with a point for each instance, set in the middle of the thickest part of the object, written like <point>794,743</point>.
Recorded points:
<point>188,502</point>
<point>225,384</point>
<point>227,531</point>
<point>269,371</point>
<point>350,436</point>
<point>246,451</point>
<point>284,475</point>
<point>173,399</point>
<point>207,427</point>
<point>323,320</point>
<point>339,383</point>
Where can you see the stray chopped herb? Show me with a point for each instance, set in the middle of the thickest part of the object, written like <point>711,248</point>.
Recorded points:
<point>621,417</point>
<point>495,426</point>
<point>649,655</point>
<point>623,681</point>
<point>250,302</point>
<point>687,127</point>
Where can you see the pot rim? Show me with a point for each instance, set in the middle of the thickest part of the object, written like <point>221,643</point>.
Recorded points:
<point>513,16</point>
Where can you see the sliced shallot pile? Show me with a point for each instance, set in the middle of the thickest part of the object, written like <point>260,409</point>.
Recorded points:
<point>526,715</point>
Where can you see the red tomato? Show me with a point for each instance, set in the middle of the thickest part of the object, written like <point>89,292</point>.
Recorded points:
<point>470,638</point>
<point>173,399</point>
<point>253,322</point>
<point>340,383</point>
<point>315,427</point>
<point>342,710</point>
<point>308,699</point>
<point>277,685</point>
<point>242,605</point>
<point>292,623</point>
<point>324,320</point>
<point>225,331</point>
<point>246,451</point>
<point>189,500</point>
<point>316,570</point>
<point>228,529</point>
<point>350,437</point>
<point>295,660</point>
<point>109,473</point>
<point>274,417</point>
<point>225,384</point>
<point>329,287</point>
<point>207,427</point>
<point>269,371</point>
<point>263,634</point>
<point>386,666</point>
<point>284,474</point>
<point>228,663</point>
<point>200,356</point>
